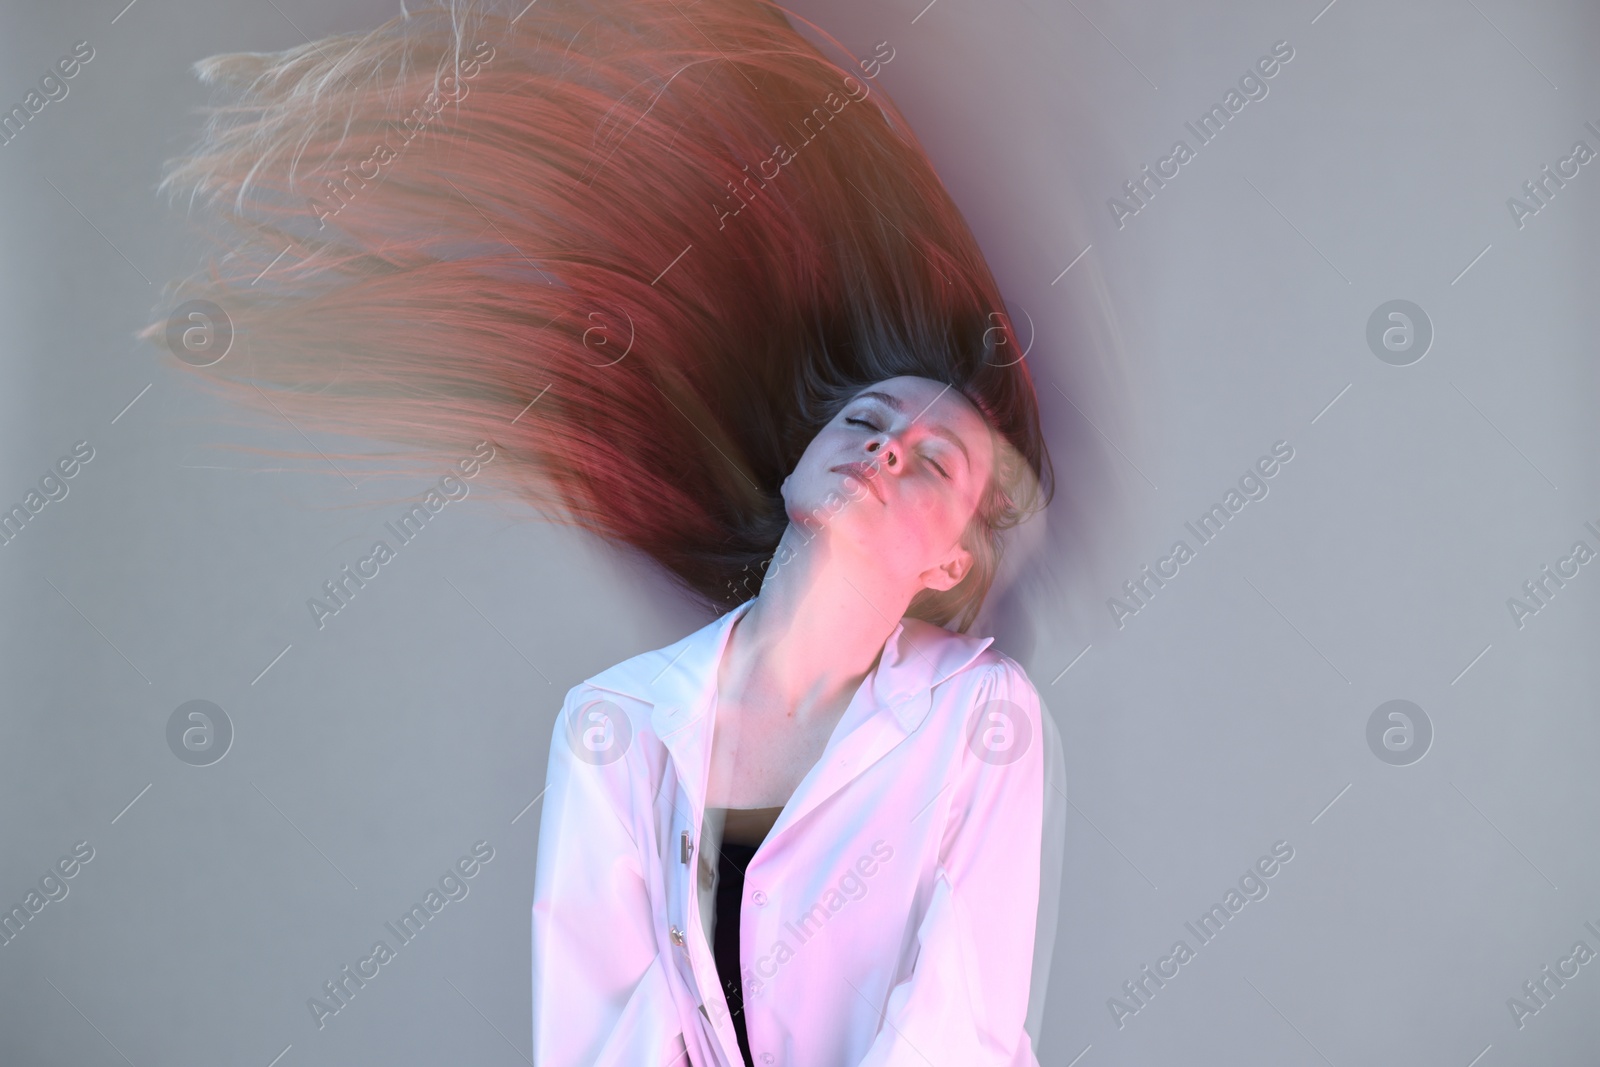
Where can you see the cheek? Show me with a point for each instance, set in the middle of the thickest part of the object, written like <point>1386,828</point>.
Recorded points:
<point>933,520</point>
<point>954,517</point>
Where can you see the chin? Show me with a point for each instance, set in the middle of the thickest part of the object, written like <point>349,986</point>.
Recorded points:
<point>834,512</point>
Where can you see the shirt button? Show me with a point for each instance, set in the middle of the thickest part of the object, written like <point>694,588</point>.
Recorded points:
<point>759,897</point>
<point>677,937</point>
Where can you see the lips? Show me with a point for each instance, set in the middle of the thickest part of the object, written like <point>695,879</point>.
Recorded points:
<point>864,474</point>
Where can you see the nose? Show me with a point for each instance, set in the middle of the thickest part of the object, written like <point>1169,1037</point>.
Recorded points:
<point>887,446</point>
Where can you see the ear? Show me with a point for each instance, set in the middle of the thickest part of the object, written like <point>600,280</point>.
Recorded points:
<point>948,575</point>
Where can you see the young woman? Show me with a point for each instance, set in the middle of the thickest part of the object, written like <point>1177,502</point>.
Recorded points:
<point>703,290</point>
<point>811,831</point>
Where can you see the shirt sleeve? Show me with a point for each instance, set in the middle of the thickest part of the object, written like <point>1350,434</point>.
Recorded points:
<point>966,1000</point>
<point>600,990</point>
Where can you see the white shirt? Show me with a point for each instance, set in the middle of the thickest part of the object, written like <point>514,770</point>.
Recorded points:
<point>892,916</point>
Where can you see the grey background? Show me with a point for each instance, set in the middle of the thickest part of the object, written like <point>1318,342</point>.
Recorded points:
<point>1230,713</point>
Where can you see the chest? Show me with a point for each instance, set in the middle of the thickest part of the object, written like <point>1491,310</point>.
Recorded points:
<point>759,757</point>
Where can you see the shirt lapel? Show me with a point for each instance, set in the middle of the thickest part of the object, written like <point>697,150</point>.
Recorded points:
<point>892,701</point>
<point>680,680</point>
<point>680,683</point>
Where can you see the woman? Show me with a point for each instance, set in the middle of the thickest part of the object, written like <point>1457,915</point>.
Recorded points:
<point>829,810</point>
<point>703,290</point>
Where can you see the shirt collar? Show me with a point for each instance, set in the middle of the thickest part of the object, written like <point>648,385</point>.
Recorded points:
<point>680,677</point>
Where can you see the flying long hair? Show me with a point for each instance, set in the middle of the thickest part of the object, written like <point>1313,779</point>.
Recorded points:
<point>646,248</point>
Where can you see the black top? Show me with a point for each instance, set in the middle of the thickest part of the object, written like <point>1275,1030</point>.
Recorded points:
<point>743,832</point>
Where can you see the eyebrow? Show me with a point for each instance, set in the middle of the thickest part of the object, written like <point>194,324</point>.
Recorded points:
<point>934,428</point>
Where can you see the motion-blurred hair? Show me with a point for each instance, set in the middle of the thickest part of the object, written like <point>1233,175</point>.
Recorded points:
<point>646,248</point>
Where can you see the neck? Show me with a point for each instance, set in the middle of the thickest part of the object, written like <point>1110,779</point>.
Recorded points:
<point>814,631</point>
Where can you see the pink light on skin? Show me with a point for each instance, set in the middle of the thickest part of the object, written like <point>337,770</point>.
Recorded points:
<point>843,576</point>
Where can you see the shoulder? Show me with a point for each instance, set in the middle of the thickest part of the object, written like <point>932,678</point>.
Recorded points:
<point>992,701</point>
<point>634,676</point>
<point>597,727</point>
<point>954,666</point>
<point>993,675</point>
<point>662,674</point>
<point>623,696</point>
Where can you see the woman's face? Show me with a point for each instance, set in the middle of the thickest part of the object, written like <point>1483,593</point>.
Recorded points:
<point>896,477</point>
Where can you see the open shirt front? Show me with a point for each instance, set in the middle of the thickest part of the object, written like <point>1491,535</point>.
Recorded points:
<point>892,916</point>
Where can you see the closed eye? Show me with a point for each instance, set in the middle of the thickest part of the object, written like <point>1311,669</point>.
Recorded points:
<point>861,422</point>
<point>938,468</point>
